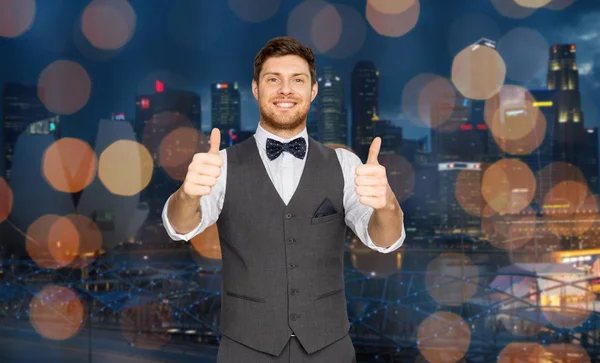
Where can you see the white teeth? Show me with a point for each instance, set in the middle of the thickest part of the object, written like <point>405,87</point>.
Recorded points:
<point>284,104</point>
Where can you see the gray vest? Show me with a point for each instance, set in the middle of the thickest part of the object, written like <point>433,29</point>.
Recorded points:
<point>282,266</point>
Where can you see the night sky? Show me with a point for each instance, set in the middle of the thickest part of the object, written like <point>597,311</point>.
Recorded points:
<point>190,44</point>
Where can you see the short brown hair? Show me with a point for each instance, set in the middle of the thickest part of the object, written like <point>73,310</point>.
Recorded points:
<point>280,46</point>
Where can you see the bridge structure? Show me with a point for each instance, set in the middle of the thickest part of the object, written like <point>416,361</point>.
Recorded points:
<point>158,304</point>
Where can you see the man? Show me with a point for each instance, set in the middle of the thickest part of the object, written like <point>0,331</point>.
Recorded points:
<point>281,202</point>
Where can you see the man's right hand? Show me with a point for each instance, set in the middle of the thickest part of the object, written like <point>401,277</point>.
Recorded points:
<point>204,170</point>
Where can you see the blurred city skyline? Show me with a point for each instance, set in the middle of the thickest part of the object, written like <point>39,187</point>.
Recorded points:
<point>212,45</point>
<point>502,252</point>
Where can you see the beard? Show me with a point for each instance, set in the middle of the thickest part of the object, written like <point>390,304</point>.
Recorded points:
<point>286,120</point>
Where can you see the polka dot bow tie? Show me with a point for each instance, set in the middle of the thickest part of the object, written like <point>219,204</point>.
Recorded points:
<point>296,147</point>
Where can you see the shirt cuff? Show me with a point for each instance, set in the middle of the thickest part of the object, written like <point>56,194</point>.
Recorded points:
<point>177,236</point>
<point>377,248</point>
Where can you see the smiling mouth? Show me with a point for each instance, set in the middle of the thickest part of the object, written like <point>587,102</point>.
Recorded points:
<point>284,105</point>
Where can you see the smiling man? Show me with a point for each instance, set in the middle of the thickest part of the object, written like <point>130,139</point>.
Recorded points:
<point>282,201</point>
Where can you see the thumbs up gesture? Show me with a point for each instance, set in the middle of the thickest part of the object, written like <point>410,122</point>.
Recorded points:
<point>371,181</point>
<point>205,169</point>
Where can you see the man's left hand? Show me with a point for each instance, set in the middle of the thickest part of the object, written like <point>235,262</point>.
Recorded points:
<point>371,181</point>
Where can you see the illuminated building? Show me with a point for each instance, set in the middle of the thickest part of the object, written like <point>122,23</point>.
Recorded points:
<point>365,104</point>
<point>23,113</point>
<point>333,120</point>
<point>156,116</point>
<point>459,136</point>
<point>391,136</point>
<point>226,109</point>
<point>563,78</point>
<point>454,218</point>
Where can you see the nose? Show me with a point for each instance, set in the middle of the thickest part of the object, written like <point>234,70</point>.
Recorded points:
<point>285,88</point>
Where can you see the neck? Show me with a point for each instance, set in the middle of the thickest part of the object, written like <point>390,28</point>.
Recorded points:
<point>283,133</point>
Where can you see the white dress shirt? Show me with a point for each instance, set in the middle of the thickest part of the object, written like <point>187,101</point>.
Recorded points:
<point>285,172</point>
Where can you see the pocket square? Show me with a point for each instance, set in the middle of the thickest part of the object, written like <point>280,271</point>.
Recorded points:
<point>325,209</point>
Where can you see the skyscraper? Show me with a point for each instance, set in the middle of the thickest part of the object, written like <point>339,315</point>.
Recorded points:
<point>331,104</point>
<point>23,112</point>
<point>157,115</point>
<point>226,109</point>
<point>563,78</point>
<point>365,104</point>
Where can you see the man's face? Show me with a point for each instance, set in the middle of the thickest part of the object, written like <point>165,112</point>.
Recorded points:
<point>284,92</point>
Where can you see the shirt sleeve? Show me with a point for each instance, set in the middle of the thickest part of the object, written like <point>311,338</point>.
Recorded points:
<point>211,206</point>
<point>357,214</point>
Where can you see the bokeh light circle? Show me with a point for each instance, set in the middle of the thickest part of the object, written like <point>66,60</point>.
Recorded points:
<point>525,52</point>
<point>125,167</point>
<point>207,243</point>
<point>108,24</point>
<point>90,240</point>
<point>255,11</point>
<point>56,312</point>
<point>570,209</point>
<point>64,87</point>
<point>326,29</point>
<point>177,149</point>
<point>511,9</point>
<point>510,231</point>
<point>478,72</point>
<point>568,353</point>
<point>534,4</point>
<point>451,279</point>
<point>391,7</point>
<point>172,139</point>
<point>396,20</point>
<point>315,24</point>
<point>16,17</point>
<point>511,115</point>
<point>437,93</point>
<point>353,33</point>
<point>468,192</point>
<point>522,352</point>
<point>300,20</point>
<point>63,241</point>
<point>508,186</point>
<point>400,175</point>
<point>552,175</point>
<point>52,241</point>
<point>411,94</point>
<point>6,199</point>
<point>443,337</point>
<point>69,165</point>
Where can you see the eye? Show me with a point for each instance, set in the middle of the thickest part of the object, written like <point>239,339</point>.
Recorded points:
<point>299,80</point>
<point>272,79</point>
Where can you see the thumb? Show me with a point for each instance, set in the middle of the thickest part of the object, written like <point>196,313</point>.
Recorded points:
<point>374,151</point>
<point>215,141</point>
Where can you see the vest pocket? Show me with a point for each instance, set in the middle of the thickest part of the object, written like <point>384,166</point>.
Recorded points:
<point>245,297</point>
<point>325,218</point>
<point>327,294</point>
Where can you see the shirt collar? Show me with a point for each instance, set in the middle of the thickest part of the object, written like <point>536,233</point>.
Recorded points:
<point>261,136</point>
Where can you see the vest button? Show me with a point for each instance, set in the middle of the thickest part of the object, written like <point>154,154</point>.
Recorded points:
<point>295,292</point>
<point>292,266</point>
<point>290,241</point>
<point>288,216</point>
<point>294,317</point>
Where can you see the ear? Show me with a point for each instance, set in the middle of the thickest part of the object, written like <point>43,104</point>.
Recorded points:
<point>255,89</point>
<point>314,91</point>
